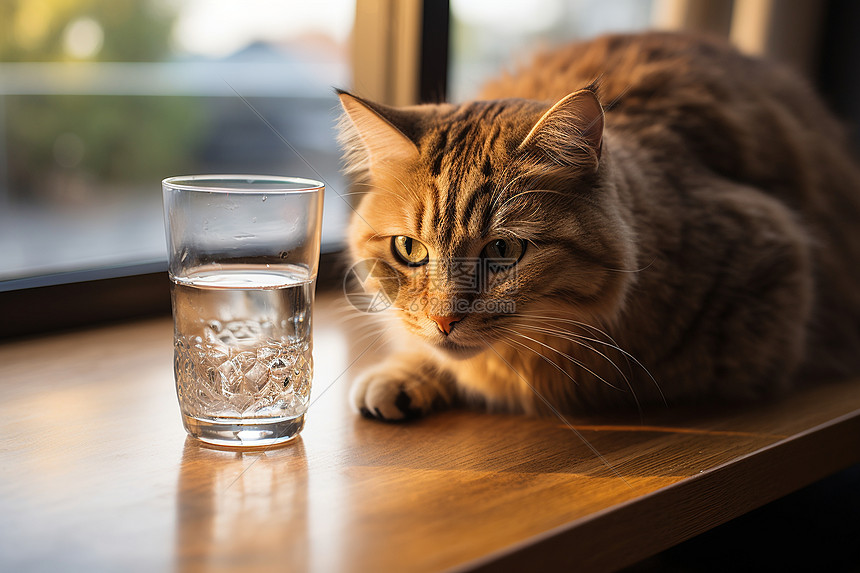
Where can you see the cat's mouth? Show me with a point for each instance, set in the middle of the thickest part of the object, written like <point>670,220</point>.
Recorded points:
<point>456,350</point>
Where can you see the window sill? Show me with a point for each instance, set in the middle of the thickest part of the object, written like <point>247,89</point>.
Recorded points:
<point>65,301</point>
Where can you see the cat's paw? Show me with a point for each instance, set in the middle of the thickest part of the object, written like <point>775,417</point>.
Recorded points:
<point>394,394</point>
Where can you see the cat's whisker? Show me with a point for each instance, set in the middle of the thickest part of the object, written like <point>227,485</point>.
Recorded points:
<point>375,237</point>
<point>366,184</point>
<point>617,98</point>
<point>368,192</point>
<point>560,334</point>
<point>521,193</point>
<point>558,414</point>
<point>569,357</point>
<point>381,342</point>
<point>584,325</point>
<point>346,313</point>
<point>611,344</point>
<point>367,317</point>
<point>501,191</point>
<point>646,267</point>
<point>572,337</point>
<point>355,315</point>
<point>360,340</point>
<point>510,341</point>
<point>567,333</point>
<point>373,188</point>
<point>508,186</point>
<point>394,175</point>
<point>376,331</point>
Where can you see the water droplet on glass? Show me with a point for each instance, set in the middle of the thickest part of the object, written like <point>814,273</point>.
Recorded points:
<point>264,198</point>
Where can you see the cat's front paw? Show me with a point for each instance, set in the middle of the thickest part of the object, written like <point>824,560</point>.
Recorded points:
<point>397,393</point>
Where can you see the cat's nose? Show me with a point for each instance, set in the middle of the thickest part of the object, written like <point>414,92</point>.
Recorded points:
<point>445,323</point>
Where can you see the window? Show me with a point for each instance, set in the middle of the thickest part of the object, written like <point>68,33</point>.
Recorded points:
<point>489,36</point>
<point>101,99</point>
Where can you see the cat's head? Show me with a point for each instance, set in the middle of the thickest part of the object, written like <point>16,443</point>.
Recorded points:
<point>487,211</point>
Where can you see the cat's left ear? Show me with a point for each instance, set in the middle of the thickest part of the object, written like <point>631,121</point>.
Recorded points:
<point>378,128</point>
<point>571,132</point>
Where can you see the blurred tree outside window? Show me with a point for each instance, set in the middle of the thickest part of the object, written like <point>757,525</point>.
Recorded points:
<point>101,99</point>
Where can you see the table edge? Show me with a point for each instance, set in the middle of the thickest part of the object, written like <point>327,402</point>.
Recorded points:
<point>667,516</point>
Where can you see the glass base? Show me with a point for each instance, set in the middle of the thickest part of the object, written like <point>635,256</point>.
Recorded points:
<point>244,433</point>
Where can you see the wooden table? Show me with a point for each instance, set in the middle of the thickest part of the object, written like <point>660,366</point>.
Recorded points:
<point>96,472</point>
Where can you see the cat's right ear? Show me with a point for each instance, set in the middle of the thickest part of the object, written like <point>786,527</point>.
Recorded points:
<point>571,132</point>
<point>374,124</point>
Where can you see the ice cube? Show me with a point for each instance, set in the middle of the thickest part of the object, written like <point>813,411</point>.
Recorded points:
<point>206,399</point>
<point>244,361</point>
<point>279,373</point>
<point>267,353</point>
<point>215,356</point>
<point>226,337</point>
<point>231,379</point>
<point>210,335</point>
<point>244,330</point>
<point>213,378</point>
<point>264,399</point>
<point>256,377</point>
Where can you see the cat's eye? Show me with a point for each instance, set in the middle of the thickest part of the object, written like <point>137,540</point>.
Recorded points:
<point>506,252</point>
<point>409,251</point>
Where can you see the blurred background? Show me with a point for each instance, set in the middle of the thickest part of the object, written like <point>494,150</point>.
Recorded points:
<point>101,99</point>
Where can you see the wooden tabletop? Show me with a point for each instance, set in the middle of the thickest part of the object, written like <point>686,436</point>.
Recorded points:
<point>97,474</point>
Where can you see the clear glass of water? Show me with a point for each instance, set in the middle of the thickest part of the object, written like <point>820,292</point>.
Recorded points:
<point>243,254</point>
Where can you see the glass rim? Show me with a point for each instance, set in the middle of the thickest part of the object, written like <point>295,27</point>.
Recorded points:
<point>209,183</point>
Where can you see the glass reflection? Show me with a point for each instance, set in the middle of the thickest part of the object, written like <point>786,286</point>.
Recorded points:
<point>242,508</point>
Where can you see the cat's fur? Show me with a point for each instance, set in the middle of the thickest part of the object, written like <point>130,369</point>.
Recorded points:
<point>706,225</point>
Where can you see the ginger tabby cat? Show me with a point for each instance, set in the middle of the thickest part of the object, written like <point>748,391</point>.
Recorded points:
<point>640,219</point>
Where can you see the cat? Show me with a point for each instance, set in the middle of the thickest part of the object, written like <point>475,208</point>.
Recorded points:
<point>637,220</point>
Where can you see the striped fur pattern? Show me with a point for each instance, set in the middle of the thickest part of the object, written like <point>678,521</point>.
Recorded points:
<point>689,224</point>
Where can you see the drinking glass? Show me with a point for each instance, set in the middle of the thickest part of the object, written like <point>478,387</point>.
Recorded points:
<point>243,253</point>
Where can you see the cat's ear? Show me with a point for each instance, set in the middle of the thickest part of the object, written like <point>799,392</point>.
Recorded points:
<point>571,132</point>
<point>377,130</point>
